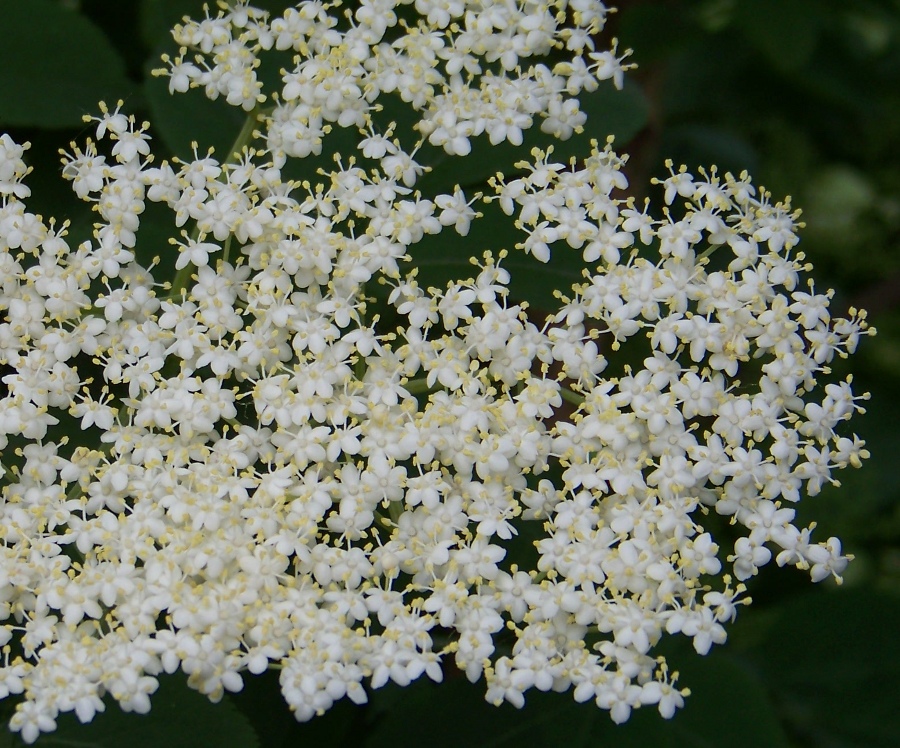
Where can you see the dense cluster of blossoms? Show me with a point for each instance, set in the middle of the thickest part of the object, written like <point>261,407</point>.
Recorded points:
<point>269,474</point>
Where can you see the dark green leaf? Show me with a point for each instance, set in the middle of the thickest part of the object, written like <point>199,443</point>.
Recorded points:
<point>447,715</point>
<point>656,30</point>
<point>262,703</point>
<point>697,145</point>
<point>186,118</point>
<point>57,65</point>
<point>621,114</point>
<point>833,658</point>
<point>728,708</point>
<point>447,255</point>
<point>180,718</point>
<point>785,32</point>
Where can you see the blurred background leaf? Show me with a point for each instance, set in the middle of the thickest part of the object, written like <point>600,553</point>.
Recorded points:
<point>57,65</point>
<point>179,718</point>
<point>850,703</point>
<point>740,714</point>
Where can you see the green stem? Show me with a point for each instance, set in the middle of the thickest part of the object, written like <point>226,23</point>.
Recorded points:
<point>570,396</point>
<point>359,368</point>
<point>227,248</point>
<point>234,154</point>
<point>707,252</point>
<point>419,387</point>
<point>244,137</point>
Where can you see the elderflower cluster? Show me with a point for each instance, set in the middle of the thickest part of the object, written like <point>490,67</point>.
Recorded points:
<point>274,469</point>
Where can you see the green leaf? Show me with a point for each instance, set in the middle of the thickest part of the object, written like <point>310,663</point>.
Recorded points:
<point>621,114</point>
<point>656,30</point>
<point>447,255</point>
<point>263,704</point>
<point>785,32</point>
<point>179,718</point>
<point>447,715</point>
<point>834,659</point>
<point>728,707</point>
<point>703,145</point>
<point>57,65</point>
<point>186,118</point>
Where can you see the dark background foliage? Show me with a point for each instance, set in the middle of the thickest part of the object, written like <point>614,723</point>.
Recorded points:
<point>803,94</point>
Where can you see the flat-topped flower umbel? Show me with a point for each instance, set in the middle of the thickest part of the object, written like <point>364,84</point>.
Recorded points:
<point>276,469</point>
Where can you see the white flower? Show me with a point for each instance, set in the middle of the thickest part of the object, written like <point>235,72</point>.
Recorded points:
<point>194,253</point>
